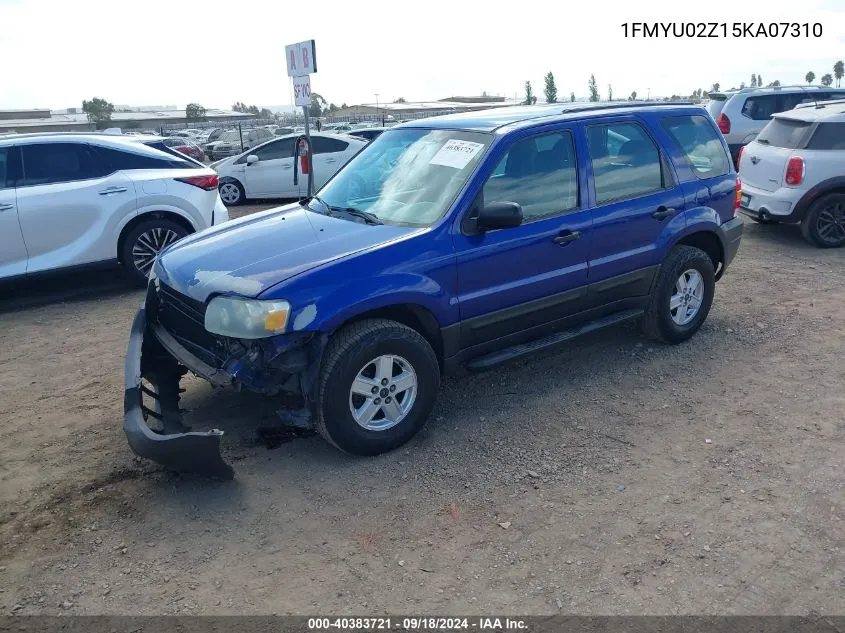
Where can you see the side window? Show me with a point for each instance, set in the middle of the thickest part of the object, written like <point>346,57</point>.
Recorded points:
<point>760,108</point>
<point>275,150</point>
<point>5,159</point>
<point>702,147</point>
<point>47,163</point>
<point>828,136</point>
<point>626,162</point>
<point>326,145</point>
<point>538,173</point>
<point>119,160</point>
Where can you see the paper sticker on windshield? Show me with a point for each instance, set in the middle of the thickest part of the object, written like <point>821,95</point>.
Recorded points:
<point>456,153</point>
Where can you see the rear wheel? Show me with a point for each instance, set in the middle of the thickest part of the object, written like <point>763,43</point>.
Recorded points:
<point>378,384</point>
<point>231,192</point>
<point>143,244</point>
<point>682,296</point>
<point>824,224</point>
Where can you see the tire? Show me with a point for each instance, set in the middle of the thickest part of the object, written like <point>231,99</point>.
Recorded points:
<point>824,223</point>
<point>659,321</point>
<point>352,354</point>
<point>231,192</point>
<point>143,243</point>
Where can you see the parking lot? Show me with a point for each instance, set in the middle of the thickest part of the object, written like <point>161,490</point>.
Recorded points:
<point>613,476</point>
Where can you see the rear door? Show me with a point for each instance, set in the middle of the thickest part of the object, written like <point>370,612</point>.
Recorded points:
<point>68,200</point>
<point>13,254</point>
<point>272,175</point>
<point>637,207</point>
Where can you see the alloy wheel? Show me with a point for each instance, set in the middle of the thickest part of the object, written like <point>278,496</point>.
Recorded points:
<point>383,392</point>
<point>830,224</point>
<point>687,297</point>
<point>230,193</point>
<point>148,245</point>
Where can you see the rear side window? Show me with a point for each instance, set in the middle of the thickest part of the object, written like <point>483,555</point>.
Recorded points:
<point>763,107</point>
<point>828,136</point>
<point>700,143</point>
<point>274,150</point>
<point>784,133</point>
<point>49,163</point>
<point>326,145</point>
<point>5,171</point>
<point>120,160</point>
<point>538,173</point>
<point>626,162</point>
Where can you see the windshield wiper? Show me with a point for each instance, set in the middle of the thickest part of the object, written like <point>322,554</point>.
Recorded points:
<point>369,218</point>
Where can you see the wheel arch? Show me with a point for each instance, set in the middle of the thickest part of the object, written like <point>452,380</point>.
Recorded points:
<point>709,242</point>
<point>144,217</point>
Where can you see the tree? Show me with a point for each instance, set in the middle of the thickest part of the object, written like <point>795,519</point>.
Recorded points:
<point>753,80</point>
<point>572,96</point>
<point>609,92</point>
<point>633,96</point>
<point>838,72</point>
<point>827,79</point>
<point>400,100</point>
<point>530,99</point>
<point>238,106</point>
<point>343,106</point>
<point>774,84</point>
<point>266,113</point>
<point>810,77</point>
<point>98,109</point>
<point>716,87</point>
<point>594,89</point>
<point>318,104</point>
<point>551,89</point>
<point>759,80</point>
<point>194,112</point>
<point>742,85</point>
<point>253,109</point>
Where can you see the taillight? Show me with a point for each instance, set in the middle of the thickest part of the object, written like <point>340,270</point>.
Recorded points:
<point>738,196</point>
<point>795,171</point>
<point>203,182</point>
<point>724,124</point>
<point>739,156</point>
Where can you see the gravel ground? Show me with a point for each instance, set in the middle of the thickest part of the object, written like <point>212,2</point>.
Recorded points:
<point>612,476</point>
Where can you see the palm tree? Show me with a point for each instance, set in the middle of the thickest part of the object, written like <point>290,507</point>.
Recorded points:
<point>827,79</point>
<point>810,76</point>
<point>838,72</point>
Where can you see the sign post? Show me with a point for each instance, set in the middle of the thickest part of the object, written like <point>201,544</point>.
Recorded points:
<point>301,60</point>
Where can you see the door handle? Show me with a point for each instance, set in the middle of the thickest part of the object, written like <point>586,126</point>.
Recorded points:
<point>106,192</point>
<point>6,207</point>
<point>331,160</point>
<point>566,239</point>
<point>663,212</point>
<point>286,166</point>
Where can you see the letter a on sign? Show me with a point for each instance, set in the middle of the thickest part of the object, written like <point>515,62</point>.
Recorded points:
<point>301,58</point>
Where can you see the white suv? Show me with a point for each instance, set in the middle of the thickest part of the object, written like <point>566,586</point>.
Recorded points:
<point>68,200</point>
<point>794,171</point>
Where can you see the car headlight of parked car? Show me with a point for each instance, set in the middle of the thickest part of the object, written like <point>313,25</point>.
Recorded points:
<point>246,318</point>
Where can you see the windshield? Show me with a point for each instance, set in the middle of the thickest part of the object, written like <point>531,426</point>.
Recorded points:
<point>407,176</point>
<point>786,133</point>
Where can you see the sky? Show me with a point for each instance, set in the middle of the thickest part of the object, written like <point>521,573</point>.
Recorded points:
<point>158,52</point>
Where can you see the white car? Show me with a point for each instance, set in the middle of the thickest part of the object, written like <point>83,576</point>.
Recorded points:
<point>68,200</point>
<point>267,170</point>
<point>794,171</point>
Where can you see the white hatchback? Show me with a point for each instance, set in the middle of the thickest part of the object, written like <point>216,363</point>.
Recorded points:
<point>266,171</point>
<point>794,171</point>
<point>70,200</point>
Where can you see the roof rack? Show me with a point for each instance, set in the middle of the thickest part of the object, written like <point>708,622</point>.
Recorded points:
<point>607,105</point>
<point>818,105</point>
<point>791,87</point>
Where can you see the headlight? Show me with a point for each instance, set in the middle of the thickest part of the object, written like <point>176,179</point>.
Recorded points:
<point>246,318</point>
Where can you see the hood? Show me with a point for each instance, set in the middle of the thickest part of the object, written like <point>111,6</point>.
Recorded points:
<point>250,255</point>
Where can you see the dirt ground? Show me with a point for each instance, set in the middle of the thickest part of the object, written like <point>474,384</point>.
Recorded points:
<point>613,476</point>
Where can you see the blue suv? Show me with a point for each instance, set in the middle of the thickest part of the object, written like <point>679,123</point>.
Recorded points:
<point>470,239</point>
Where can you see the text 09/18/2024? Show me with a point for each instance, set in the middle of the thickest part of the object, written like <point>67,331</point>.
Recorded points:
<point>721,29</point>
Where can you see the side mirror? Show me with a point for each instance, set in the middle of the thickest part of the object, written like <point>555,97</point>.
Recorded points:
<point>499,215</point>
<point>252,158</point>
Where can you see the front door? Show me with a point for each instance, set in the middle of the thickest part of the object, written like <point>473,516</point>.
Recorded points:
<point>329,156</point>
<point>272,175</point>
<point>519,280</point>
<point>12,248</point>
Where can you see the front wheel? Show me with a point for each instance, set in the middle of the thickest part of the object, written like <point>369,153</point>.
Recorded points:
<point>378,384</point>
<point>231,192</point>
<point>682,295</point>
<point>824,224</point>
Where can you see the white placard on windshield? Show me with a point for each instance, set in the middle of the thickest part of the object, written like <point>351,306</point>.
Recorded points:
<point>456,153</point>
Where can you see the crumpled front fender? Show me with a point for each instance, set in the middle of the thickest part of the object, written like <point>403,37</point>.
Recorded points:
<point>191,451</point>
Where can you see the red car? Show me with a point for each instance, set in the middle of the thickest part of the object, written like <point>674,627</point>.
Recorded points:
<point>184,146</point>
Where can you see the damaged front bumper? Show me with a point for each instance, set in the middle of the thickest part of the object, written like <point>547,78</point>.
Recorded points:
<point>151,358</point>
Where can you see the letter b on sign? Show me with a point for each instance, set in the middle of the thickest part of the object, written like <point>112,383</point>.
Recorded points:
<point>301,58</point>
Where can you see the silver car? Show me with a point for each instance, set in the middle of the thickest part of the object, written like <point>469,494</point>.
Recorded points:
<point>747,111</point>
